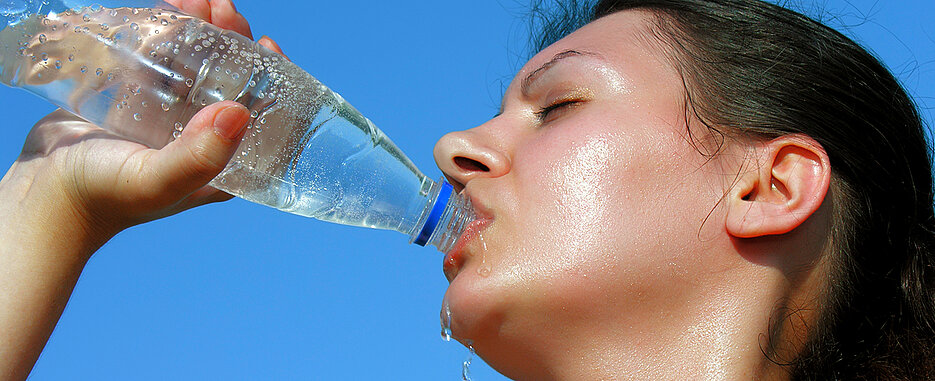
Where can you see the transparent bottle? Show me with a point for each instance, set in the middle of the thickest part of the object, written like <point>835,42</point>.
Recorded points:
<point>142,69</point>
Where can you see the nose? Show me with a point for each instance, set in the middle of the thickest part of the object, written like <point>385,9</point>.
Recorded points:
<point>467,155</point>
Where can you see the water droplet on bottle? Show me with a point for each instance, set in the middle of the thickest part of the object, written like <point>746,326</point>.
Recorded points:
<point>176,134</point>
<point>152,18</point>
<point>137,117</point>
<point>58,64</point>
<point>110,76</point>
<point>189,82</point>
<point>178,126</point>
<point>126,18</point>
<point>136,11</point>
<point>44,57</point>
<point>262,120</point>
<point>42,39</point>
<point>84,69</point>
<point>86,18</point>
<point>99,72</point>
<point>165,106</point>
<point>164,22</point>
<point>144,104</point>
<point>104,27</point>
<point>134,26</point>
<point>153,54</point>
<point>197,48</point>
<point>254,114</point>
<point>71,57</point>
<point>175,51</point>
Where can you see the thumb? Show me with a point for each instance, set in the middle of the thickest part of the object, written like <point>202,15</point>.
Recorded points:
<point>201,152</point>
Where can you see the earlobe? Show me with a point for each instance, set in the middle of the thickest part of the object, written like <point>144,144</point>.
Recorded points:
<point>785,184</point>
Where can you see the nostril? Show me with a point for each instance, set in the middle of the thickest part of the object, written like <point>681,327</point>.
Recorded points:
<point>470,165</point>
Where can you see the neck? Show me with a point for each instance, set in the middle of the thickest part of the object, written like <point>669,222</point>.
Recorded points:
<point>710,333</point>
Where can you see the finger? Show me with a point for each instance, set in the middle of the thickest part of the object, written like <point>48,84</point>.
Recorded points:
<point>198,8</point>
<point>199,154</point>
<point>224,15</point>
<point>205,195</point>
<point>271,45</point>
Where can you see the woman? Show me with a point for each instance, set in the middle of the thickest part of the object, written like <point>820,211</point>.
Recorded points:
<point>686,189</point>
<point>677,190</point>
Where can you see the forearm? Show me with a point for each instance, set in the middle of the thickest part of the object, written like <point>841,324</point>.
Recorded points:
<point>44,245</point>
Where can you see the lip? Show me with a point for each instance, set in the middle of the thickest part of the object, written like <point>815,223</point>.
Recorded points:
<point>456,257</point>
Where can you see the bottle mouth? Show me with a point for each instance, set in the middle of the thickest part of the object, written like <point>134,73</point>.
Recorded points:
<point>441,201</point>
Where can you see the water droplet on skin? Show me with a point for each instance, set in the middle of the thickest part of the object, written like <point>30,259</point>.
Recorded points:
<point>42,39</point>
<point>197,48</point>
<point>176,134</point>
<point>144,104</point>
<point>165,106</point>
<point>178,126</point>
<point>446,319</point>
<point>484,269</point>
<point>137,117</point>
<point>134,26</point>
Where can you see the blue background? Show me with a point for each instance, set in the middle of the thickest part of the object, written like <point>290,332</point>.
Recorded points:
<point>240,291</point>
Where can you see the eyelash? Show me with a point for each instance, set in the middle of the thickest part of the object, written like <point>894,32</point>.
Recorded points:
<point>545,111</point>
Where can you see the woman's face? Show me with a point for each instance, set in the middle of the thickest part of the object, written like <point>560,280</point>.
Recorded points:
<point>597,209</point>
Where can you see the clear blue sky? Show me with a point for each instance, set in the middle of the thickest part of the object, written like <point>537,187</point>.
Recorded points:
<point>239,291</point>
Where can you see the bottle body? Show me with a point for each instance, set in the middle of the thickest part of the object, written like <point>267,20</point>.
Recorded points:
<point>144,72</point>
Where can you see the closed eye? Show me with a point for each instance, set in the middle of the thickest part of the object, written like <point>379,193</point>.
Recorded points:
<point>543,113</point>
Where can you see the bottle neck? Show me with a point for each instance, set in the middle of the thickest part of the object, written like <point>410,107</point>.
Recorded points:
<point>446,216</point>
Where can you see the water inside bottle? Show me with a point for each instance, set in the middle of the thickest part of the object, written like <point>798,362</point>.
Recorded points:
<point>143,73</point>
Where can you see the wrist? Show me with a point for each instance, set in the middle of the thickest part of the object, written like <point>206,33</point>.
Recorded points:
<point>36,210</point>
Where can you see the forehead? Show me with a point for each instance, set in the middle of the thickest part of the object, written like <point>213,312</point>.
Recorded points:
<point>623,40</point>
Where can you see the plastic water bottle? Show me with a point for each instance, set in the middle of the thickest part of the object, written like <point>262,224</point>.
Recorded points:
<point>143,70</point>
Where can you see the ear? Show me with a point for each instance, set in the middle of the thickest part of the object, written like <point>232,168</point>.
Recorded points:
<point>788,181</point>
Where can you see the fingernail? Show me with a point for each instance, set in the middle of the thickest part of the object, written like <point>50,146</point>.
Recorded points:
<point>231,3</point>
<point>231,121</point>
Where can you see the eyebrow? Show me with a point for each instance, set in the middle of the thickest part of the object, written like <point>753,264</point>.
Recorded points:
<point>528,81</point>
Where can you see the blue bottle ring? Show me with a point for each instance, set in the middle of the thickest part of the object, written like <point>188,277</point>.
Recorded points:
<point>440,202</point>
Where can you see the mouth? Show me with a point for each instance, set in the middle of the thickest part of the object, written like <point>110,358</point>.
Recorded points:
<point>458,255</point>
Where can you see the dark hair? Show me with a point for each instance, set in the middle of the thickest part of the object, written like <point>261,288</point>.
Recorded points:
<point>756,70</point>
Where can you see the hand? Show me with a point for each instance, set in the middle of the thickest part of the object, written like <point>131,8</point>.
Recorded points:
<point>76,185</point>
